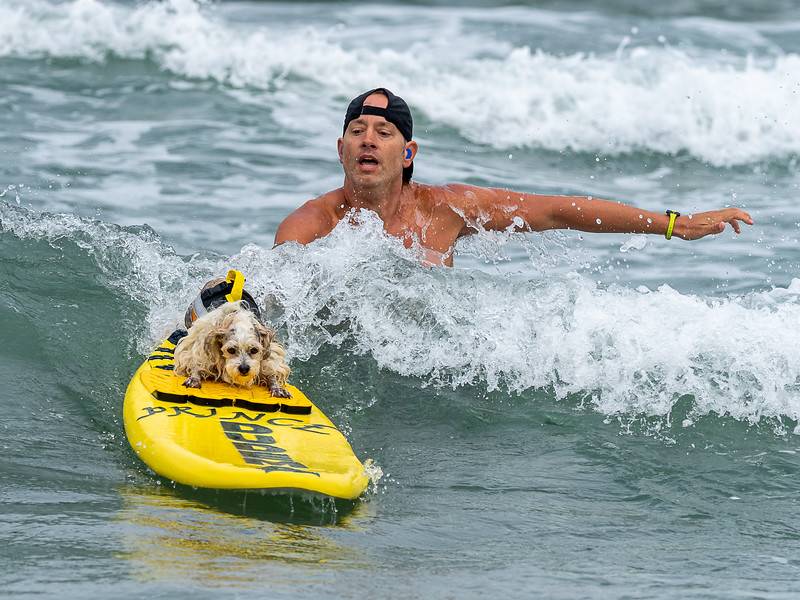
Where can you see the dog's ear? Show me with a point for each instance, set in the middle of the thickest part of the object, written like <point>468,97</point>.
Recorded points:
<point>214,341</point>
<point>213,348</point>
<point>265,336</point>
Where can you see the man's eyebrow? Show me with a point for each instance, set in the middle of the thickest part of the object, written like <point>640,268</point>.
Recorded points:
<point>364,122</point>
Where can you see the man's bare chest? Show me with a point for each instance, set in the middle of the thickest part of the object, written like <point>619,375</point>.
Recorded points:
<point>432,229</point>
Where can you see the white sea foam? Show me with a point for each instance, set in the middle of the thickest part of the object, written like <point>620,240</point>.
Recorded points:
<point>624,351</point>
<point>719,108</point>
<point>634,242</point>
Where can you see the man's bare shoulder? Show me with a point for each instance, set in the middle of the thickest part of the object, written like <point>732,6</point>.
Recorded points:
<point>492,208</point>
<point>313,220</point>
<point>459,196</point>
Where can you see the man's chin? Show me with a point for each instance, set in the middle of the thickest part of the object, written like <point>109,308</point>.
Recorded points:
<point>367,180</point>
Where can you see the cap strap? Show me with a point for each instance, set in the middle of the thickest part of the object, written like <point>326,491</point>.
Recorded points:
<point>376,111</point>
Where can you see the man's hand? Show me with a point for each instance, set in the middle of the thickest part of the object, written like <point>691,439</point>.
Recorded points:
<point>693,227</point>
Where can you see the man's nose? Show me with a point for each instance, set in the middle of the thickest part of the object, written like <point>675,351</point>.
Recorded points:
<point>369,138</point>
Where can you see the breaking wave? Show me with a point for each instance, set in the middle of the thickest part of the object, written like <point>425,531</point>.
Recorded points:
<point>622,351</point>
<point>722,109</point>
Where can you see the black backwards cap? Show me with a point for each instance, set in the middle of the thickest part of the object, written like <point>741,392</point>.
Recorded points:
<point>396,112</point>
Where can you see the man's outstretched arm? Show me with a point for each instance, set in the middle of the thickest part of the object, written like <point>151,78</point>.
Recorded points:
<point>499,209</point>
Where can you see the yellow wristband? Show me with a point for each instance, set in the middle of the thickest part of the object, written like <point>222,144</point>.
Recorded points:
<point>672,216</point>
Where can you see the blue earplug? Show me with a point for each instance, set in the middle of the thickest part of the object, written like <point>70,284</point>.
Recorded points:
<point>408,153</point>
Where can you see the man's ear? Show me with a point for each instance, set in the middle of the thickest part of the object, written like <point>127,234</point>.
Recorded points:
<point>339,145</point>
<point>412,146</point>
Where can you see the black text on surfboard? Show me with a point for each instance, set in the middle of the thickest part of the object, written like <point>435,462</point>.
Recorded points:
<point>257,446</point>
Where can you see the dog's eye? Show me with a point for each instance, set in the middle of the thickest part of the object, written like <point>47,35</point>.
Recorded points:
<point>253,351</point>
<point>231,350</point>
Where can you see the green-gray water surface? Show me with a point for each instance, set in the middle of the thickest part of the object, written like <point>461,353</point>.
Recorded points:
<point>559,416</point>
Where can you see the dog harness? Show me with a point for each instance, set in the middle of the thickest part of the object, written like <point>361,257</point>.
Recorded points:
<point>230,290</point>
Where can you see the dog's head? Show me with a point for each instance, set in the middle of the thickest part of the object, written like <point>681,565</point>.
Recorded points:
<point>239,344</point>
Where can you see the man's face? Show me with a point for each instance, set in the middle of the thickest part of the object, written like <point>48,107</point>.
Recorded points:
<point>371,150</point>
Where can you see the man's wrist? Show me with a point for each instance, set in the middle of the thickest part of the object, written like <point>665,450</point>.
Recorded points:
<point>681,227</point>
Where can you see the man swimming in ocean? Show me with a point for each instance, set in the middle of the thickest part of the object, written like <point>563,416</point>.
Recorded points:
<point>377,154</point>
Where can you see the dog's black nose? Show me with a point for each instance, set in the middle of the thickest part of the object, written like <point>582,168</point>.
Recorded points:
<point>244,369</point>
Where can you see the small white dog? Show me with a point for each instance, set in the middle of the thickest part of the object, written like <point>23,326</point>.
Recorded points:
<point>231,344</point>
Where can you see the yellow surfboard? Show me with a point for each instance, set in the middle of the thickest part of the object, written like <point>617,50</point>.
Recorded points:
<point>226,437</point>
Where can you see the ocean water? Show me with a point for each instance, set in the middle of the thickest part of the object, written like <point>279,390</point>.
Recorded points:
<point>561,415</point>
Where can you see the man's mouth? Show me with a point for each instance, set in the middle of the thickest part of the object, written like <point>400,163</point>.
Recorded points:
<point>367,159</point>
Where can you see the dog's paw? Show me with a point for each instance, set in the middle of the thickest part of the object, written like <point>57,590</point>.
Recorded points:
<point>279,392</point>
<point>192,382</point>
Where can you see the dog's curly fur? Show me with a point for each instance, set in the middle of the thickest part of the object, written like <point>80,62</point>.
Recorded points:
<point>231,345</point>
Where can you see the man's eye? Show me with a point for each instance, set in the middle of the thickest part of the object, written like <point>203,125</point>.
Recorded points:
<point>356,131</point>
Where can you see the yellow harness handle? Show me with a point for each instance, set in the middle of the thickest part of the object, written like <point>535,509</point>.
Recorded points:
<point>237,279</point>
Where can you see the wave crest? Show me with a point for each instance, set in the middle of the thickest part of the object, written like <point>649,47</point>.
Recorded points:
<point>626,352</point>
<point>721,109</point>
